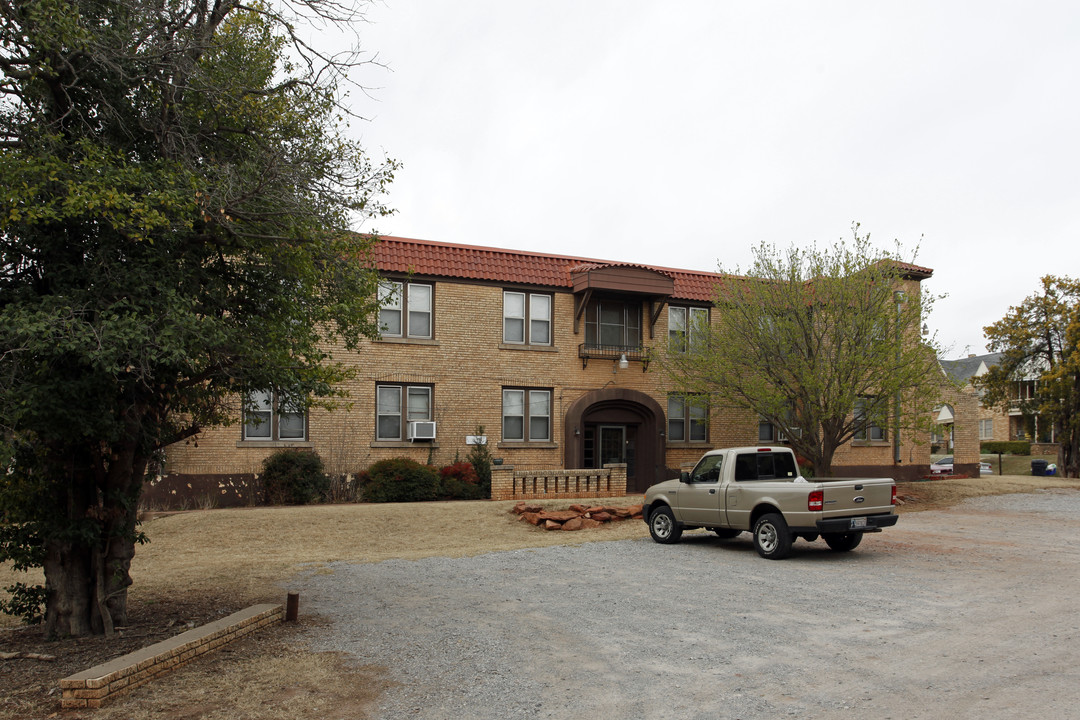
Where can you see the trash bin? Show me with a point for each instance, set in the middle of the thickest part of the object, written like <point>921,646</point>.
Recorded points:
<point>1038,467</point>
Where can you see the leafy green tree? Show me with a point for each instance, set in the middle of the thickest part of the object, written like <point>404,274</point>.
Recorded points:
<point>822,344</point>
<point>1039,339</point>
<point>174,199</point>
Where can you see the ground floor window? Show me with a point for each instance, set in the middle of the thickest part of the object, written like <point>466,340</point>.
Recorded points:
<point>688,418</point>
<point>986,429</point>
<point>526,414</point>
<point>867,424</point>
<point>270,415</point>
<point>396,405</point>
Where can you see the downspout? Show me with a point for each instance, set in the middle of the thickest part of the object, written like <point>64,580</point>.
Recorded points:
<point>899,295</point>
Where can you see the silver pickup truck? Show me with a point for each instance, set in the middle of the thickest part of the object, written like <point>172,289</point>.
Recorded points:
<point>759,489</point>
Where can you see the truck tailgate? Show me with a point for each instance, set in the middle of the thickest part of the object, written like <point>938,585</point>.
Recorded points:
<point>857,497</point>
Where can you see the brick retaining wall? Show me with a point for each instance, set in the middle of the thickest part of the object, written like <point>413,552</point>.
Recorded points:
<point>90,688</point>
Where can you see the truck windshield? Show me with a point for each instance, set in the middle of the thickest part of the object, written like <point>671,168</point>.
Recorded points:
<point>765,466</point>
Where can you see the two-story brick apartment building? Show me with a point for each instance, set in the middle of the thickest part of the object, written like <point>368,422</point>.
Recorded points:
<point>550,354</point>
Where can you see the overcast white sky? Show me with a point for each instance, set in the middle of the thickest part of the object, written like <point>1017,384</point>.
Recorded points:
<point>684,133</point>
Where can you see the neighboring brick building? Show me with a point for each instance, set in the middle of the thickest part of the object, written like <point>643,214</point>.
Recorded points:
<point>994,423</point>
<point>550,354</point>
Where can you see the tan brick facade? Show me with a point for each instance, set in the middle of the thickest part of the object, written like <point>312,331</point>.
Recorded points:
<point>467,365</point>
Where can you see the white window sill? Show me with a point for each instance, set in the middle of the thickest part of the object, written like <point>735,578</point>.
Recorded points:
<point>274,444</point>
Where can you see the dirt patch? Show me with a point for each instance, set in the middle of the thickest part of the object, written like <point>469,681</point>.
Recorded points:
<point>937,494</point>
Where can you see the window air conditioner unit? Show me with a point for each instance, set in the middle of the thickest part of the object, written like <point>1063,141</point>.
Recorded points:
<point>783,437</point>
<point>422,430</point>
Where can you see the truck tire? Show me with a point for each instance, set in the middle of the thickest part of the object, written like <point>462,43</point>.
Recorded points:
<point>662,526</point>
<point>842,542</point>
<point>726,533</point>
<point>772,539</point>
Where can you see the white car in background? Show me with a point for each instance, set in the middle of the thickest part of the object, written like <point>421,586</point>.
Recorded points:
<point>944,466</point>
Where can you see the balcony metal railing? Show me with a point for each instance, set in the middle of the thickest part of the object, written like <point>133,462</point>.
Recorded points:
<point>632,353</point>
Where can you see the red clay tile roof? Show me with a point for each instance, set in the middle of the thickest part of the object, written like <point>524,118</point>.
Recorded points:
<point>915,271</point>
<point>422,257</point>
<point>473,262</point>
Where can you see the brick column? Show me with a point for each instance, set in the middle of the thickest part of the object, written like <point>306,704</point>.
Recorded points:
<point>618,477</point>
<point>502,482</point>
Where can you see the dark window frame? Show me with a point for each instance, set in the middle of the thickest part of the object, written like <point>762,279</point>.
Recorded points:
<point>527,415</point>
<point>631,324</point>
<point>870,432</point>
<point>528,319</point>
<point>687,403</point>
<point>401,294</point>
<point>403,413</point>
<point>685,339</point>
<point>273,410</point>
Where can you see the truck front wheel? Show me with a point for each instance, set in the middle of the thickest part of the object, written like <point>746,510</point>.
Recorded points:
<point>662,526</point>
<point>772,539</point>
<point>842,542</point>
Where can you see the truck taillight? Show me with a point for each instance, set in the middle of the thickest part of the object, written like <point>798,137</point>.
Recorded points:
<point>815,501</point>
<point>893,494</point>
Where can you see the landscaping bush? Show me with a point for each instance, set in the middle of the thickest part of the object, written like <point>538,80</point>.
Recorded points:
<point>294,477</point>
<point>460,482</point>
<point>1012,447</point>
<point>480,458</point>
<point>399,480</point>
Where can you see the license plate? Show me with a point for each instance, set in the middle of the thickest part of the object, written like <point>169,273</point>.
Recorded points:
<point>859,522</point>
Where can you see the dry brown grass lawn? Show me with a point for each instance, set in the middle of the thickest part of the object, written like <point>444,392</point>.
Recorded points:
<point>216,561</point>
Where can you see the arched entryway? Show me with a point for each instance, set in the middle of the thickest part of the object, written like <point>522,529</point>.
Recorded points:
<point>617,425</point>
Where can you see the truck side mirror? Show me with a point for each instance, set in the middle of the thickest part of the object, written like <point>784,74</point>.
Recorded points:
<point>684,476</point>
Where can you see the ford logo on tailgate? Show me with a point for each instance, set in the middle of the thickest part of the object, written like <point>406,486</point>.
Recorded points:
<point>860,499</point>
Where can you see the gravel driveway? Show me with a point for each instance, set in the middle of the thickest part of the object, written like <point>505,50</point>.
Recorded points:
<point>964,613</point>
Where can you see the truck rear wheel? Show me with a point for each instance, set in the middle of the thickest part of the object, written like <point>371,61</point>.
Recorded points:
<point>662,526</point>
<point>772,539</point>
<point>842,542</point>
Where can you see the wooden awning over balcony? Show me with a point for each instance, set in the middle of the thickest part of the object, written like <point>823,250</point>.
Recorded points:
<point>650,285</point>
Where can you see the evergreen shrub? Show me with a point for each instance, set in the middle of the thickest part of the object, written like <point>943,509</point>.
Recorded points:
<point>399,480</point>
<point>294,477</point>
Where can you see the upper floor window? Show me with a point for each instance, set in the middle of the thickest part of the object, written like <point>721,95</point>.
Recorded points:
<point>613,324</point>
<point>271,416</point>
<point>405,309</point>
<point>396,405</point>
<point>526,415</point>
<point>868,429</point>
<point>526,318</point>
<point>688,418</point>
<point>685,327</point>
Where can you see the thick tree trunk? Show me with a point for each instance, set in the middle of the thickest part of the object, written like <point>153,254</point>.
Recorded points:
<point>87,569</point>
<point>69,584</point>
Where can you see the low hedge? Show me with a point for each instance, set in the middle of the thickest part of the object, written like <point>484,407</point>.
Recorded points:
<point>294,477</point>
<point>1010,447</point>
<point>399,480</point>
<point>405,480</point>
